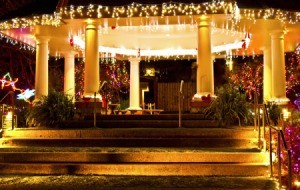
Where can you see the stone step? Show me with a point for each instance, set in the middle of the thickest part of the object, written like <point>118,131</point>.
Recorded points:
<point>237,133</point>
<point>147,117</point>
<point>106,182</point>
<point>133,157</point>
<point>131,142</point>
<point>143,121</point>
<point>145,169</point>
<point>148,123</point>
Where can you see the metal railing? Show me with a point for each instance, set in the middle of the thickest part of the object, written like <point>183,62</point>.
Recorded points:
<point>281,142</point>
<point>13,121</point>
<point>179,105</point>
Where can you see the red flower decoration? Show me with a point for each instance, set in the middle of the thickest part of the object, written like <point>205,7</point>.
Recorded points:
<point>71,41</point>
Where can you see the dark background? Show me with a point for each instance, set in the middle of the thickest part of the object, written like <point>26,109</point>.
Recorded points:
<point>21,8</point>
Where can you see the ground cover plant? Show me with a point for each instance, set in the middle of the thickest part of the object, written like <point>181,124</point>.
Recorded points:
<point>51,110</point>
<point>230,107</point>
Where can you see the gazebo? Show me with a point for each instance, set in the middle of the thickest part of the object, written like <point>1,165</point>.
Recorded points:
<point>162,31</point>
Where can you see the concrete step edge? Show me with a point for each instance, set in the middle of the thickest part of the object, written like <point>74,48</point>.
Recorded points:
<point>131,132</point>
<point>133,142</point>
<point>170,169</point>
<point>136,157</point>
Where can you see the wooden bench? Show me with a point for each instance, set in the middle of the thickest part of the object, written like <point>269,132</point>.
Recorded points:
<point>152,111</point>
<point>113,108</point>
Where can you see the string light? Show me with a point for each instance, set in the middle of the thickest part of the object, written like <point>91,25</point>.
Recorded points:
<point>79,44</point>
<point>7,81</point>
<point>26,95</point>
<point>140,10</point>
<point>45,19</point>
<point>284,16</point>
<point>249,80</point>
<point>79,78</point>
<point>117,81</point>
<point>15,42</point>
<point>163,10</point>
<point>155,10</point>
<point>291,134</point>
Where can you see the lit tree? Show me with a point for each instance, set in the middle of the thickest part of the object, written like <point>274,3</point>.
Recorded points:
<point>79,79</point>
<point>117,78</point>
<point>292,75</point>
<point>247,79</point>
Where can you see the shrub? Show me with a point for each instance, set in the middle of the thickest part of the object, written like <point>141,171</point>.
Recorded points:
<point>124,103</point>
<point>230,107</point>
<point>274,112</point>
<point>51,111</point>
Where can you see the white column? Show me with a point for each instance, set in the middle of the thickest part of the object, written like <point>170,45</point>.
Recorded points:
<point>69,74</point>
<point>91,66</point>
<point>278,68</point>
<point>134,94</point>
<point>267,75</point>
<point>41,69</point>
<point>205,78</point>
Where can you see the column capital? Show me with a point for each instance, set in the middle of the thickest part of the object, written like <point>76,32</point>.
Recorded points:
<point>42,39</point>
<point>277,34</point>
<point>90,24</point>
<point>203,21</point>
<point>265,48</point>
<point>70,53</point>
<point>134,59</point>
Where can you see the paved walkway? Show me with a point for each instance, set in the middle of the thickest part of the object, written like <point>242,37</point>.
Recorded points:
<point>68,182</point>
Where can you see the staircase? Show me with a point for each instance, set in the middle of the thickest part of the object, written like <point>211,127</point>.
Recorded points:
<point>213,154</point>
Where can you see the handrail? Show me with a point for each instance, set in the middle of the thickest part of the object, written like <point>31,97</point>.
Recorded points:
<point>10,92</point>
<point>179,105</point>
<point>280,138</point>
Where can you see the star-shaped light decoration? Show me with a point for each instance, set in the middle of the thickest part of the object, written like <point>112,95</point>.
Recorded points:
<point>26,95</point>
<point>7,81</point>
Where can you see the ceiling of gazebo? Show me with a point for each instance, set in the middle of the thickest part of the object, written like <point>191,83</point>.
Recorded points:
<point>161,33</point>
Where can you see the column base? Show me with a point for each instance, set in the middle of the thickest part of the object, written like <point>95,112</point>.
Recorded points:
<point>89,97</point>
<point>92,95</point>
<point>204,96</point>
<point>201,101</point>
<point>134,108</point>
<point>279,101</point>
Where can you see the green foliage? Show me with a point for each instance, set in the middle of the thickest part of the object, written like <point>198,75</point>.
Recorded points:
<point>56,74</point>
<point>230,107</point>
<point>21,111</point>
<point>274,112</point>
<point>124,103</point>
<point>51,111</point>
<point>295,117</point>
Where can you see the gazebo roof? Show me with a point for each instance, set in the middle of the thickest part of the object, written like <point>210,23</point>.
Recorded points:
<point>278,4</point>
<point>21,8</point>
<point>156,26</point>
